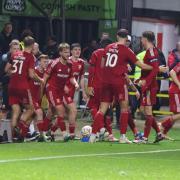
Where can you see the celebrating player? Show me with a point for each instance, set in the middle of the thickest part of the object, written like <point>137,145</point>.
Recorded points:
<point>21,68</point>
<point>116,58</point>
<point>57,74</point>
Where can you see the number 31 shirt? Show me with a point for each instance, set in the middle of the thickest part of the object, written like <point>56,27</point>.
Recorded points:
<point>21,63</point>
<point>115,63</point>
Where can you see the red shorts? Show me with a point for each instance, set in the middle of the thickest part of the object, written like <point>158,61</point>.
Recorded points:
<point>54,96</point>
<point>19,96</point>
<point>174,102</point>
<point>148,98</point>
<point>67,99</point>
<point>94,101</point>
<point>36,104</point>
<point>112,91</point>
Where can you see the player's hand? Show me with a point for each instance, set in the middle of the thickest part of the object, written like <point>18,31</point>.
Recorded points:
<point>66,89</point>
<point>129,68</point>
<point>76,86</point>
<point>90,91</point>
<point>142,83</point>
<point>85,97</point>
<point>137,94</point>
<point>163,69</point>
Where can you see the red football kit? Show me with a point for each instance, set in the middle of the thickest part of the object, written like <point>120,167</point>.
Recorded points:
<point>149,91</point>
<point>95,78</point>
<point>77,72</point>
<point>114,68</point>
<point>174,93</point>
<point>35,88</point>
<point>59,74</point>
<point>18,88</point>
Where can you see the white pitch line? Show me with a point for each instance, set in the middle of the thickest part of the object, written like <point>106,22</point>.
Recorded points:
<point>85,155</point>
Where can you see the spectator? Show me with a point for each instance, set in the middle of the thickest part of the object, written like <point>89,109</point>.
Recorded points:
<point>6,37</point>
<point>87,51</point>
<point>52,48</point>
<point>105,35</point>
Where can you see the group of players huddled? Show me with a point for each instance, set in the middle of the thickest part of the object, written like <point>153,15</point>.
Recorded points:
<point>108,84</point>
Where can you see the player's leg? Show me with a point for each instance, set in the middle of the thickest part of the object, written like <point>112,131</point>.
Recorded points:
<point>60,111</point>
<point>124,117</point>
<point>168,122</point>
<point>72,113</point>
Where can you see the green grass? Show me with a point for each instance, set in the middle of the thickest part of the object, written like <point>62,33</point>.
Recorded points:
<point>154,166</point>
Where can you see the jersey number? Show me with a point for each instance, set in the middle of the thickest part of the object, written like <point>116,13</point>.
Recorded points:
<point>16,67</point>
<point>111,60</point>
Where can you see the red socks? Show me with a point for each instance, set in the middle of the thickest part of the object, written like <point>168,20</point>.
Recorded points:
<point>155,126</point>
<point>124,122</point>
<point>72,128</point>
<point>24,128</point>
<point>61,124</point>
<point>98,122</point>
<point>167,125</point>
<point>40,125</point>
<point>46,124</point>
<point>108,124</point>
<point>148,124</point>
<point>132,124</point>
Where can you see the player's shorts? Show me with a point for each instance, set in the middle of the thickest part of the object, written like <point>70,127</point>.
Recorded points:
<point>36,104</point>
<point>94,101</point>
<point>148,98</point>
<point>54,96</point>
<point>67,99</point>
<point>174,102</point>
<point>119,92</point>
<point>19,96</point>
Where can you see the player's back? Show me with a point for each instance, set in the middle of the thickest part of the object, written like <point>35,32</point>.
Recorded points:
<point>21,63</point>
<point>115,64</point>
<point>96,60</point>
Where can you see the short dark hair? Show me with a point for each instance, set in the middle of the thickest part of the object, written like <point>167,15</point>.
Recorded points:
<point>74,45</point>
<point>123,33</point>
<point>149,35</point>
<point>28,41</point>
<point>105,42</point>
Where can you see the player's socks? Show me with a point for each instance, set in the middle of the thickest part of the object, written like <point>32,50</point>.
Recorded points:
<point>72,127</point>
<point>132,124</point>
<point>24,128</point>
<point>108,124</point>
<point>148,124</point>
<point>61,124</point>
<point>46,124</point>
<point>98,122</point>
<point>155,126</point>
<point>167,125</point>
<point>40,125</point>
<point>124,122</point>
<point>54,127</point>
<point>93,112</point>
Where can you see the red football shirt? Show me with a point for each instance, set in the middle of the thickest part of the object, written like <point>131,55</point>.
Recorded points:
<point>59,74</point>
<point>151,58</point>
<point>173,87</point>
<point>115,63</point>
<point>95,69</point>
<point>35,87</point>
<point>77,71</point>
<point>21,63</point>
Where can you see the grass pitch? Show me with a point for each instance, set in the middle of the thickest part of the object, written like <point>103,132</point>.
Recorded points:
<point>83,161</point>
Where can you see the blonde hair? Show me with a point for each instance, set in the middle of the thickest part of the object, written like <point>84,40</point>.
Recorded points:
<point>63,46</point>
